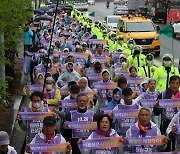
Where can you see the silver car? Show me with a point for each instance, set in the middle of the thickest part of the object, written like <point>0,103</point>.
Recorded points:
<point>120,10</point>
<point>111,22</point>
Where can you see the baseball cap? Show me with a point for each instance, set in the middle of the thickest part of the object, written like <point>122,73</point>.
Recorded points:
<point>4,138</point>
<point>49,120</point>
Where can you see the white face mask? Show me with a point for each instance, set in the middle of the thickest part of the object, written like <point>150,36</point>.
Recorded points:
<point>123,63</point>
<point>36,105</point>
<point>131,46</point>
<point>74,95</point>
<point>150,62</point>
<point>48,86</point>
<point>167,62</point>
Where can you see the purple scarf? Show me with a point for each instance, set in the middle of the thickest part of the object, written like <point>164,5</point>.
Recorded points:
<point>105,134</point>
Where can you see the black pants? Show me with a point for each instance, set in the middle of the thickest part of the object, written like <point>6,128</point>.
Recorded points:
<point>171,143</point>
<point>74,145</point>
<point>27,47</point>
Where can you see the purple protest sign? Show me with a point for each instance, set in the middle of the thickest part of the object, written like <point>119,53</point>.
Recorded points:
<point>105,85</point>
<point>178,129</point>
<point>64,90</point>
<point>169,103</point>
<point>100,143</point>
<point>116,54</point>
<point>68,103</point>
<point>147,102</point>
<point>88,125</point>
<point>48,147</point>
<point>95,77</point>
<point>35,87</point>
<point>89,70</point>
<point>34,115</point>
<point>85,39</point>
<point>97,41</point>
<point>103,59</point>
<point>106,110</point>
<point>128,113</point>
<point>136,80</point>
<point>80,55</point>
<point>153,140</point>
<point>121,72</point>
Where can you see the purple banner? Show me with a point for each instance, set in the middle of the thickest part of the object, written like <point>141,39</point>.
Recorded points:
<point>80,55</point>
<point>106,110</point>
<point>105,85</point>
<point>48,147</point>
<point>136,80</point>
<point>89,70</point>
<point>128,113</point>
<point>95,77</point>
<point>64,90</point>
<point>153,140</point>
<point>35,87</point>
<point>120,72</point>
<point>169,103</point>
<point>147,102</point>
<point>97,41</point>
<point>81,125</point>
<point>68,103</point>
<point>116,54</point>
<point>101,58</point>
<point>100,143</point>
<point>34,115</point>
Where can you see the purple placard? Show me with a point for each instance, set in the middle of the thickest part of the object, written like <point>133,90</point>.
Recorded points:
<point>80,55</point>
<point>85,39</point>
<point>95,77</point>
<point>49,148</point>
<point>178,129</point>
<point>169,103</point>
<point>147,102</point>
<point>128,113</point>
<point>105,85</point>
<point>64,90</point>
<point>68,103</point>
<point>101,58</point>
<point>34,115</point>
<point>136,80</point>
<point>35,87</point>
<point>89,70</point>
<point>120,72</point>
<point>153,140</point>
<point>97,41</point>
<point>106,110</point>
<point>63,55</point>
<point>116,54</point>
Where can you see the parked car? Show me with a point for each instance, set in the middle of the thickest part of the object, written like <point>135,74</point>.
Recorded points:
<point>91,2</point>
<point>176,27</point>
<point>120,10</point>
<point>81,6</point>
<point>159,15</point>
<point>111,22</point>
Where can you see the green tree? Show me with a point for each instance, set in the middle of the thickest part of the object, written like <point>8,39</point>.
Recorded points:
<point>14,14</point>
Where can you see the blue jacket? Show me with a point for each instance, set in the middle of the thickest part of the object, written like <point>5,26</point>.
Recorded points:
<point>113,102</point>
<point>28,37</point>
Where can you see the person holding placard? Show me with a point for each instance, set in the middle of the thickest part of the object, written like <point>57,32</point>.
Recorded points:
<point>52,95</point>
<point>81,114</point>
<point>48,136</point>
<point>141,129</point>
<point>104,130</point>
<point>168,113</point>
<point>173,130</point>
<point>128,105</point>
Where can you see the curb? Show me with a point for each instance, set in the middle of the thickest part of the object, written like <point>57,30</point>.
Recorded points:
<point>16,106</point>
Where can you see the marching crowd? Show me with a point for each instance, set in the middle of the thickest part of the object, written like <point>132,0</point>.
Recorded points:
<point>91,75</point>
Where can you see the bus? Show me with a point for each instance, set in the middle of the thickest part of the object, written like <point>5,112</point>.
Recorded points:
<point>173,13</point>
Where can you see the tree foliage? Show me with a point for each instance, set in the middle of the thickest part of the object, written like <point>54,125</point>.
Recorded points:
<point>14,14</point>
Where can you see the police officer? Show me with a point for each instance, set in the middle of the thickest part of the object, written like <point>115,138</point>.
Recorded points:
<point>164,72</point>
<point>148,69</point>
<point>137,58</point>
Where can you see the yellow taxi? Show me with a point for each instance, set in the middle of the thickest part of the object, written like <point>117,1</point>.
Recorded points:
<point>142,30</point>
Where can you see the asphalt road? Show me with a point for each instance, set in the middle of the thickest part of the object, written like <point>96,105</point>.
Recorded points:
<point>168,45</point>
